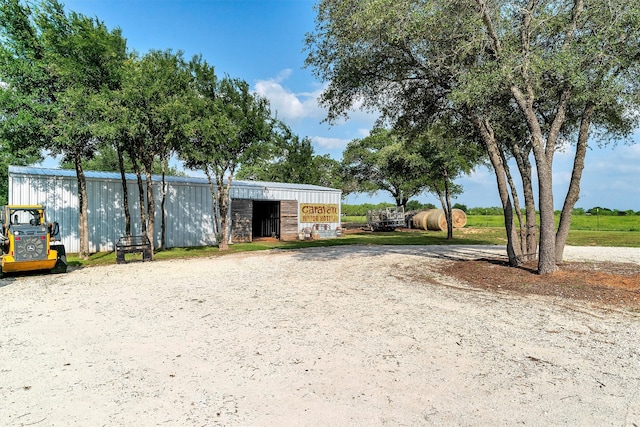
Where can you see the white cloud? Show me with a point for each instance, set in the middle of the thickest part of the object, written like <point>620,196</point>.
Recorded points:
<point>614,161</point>
<point>295,106</point>
<point>330,143</point>
<point>631,153</point>
<point>364,132</point>
<point>562,177</point>
<point>302,112</point>
<point>289,105</point>
<point>481,175</point>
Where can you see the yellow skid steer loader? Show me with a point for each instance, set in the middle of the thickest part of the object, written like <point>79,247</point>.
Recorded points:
<point>28,242</point>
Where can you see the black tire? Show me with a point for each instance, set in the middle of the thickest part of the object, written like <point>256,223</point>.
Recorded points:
<point>61,263</point>
<point>61,251</point>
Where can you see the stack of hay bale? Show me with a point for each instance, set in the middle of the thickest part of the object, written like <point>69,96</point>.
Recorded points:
<point>436,220</point>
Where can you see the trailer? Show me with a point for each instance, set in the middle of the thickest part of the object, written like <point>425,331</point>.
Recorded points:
<point>386,219</point>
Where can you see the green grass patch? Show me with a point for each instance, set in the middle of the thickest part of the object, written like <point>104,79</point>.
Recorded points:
<point>354,219</point>
<point>629,239</point>
<point>485,221</point>
<point>470,235</point>
<point>606,223</point>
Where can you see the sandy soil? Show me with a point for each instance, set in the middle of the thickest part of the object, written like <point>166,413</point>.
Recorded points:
<point>334,336</point>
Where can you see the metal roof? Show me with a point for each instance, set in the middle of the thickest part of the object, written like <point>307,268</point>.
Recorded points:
<point>70,173</point>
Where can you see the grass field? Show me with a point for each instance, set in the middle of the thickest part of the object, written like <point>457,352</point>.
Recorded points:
<point>578,222</point>
<point>487,230</point>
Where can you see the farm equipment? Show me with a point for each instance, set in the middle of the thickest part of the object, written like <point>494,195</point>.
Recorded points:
<point>387,219</point>
<point>28,242</point>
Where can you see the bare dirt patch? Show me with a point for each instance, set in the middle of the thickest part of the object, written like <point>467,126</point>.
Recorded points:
<point>597,283</point>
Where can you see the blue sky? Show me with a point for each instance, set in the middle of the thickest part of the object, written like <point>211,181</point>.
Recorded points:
<point>262,42</point>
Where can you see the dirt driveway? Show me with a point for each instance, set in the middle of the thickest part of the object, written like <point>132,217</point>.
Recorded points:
<point>333,336</point>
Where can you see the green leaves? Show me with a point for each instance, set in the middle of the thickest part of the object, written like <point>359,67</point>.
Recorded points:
<point>55,65</point>
<point>228,126</point>
<point>382,161</point>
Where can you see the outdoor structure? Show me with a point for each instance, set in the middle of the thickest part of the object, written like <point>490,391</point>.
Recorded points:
<point>258,209</point>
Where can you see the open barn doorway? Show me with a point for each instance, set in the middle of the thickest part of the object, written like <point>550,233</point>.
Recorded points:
<point>266,219</point>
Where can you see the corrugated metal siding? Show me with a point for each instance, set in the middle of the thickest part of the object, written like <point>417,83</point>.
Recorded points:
<point>189,215</point>
<point>188,206</point>
<point>188,209</point>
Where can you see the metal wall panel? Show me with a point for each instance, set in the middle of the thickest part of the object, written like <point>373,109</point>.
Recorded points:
<point>189,208</point>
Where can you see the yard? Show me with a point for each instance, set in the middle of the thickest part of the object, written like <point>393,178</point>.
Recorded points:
<point>345,335</point>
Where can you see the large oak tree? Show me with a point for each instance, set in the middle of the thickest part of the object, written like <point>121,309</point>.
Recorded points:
<point>383,161</point>
<point>564,67</point>
<point>229,126</point>
<point>55,65</point>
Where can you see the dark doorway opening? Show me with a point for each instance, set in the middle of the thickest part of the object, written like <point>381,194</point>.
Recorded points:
<point>266,219</point>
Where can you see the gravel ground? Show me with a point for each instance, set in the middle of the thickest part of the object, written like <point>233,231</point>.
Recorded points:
<point>331,336</point>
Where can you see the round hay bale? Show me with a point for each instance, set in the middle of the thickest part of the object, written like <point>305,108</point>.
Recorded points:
<point>459,218</point>
<point>419,220</point>
<point>437,221</point>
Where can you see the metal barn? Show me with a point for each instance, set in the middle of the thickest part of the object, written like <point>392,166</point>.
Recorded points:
<point>258,209</point>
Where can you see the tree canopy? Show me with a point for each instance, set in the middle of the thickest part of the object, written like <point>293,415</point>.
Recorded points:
<point>383,161</point>
<point>229,125</point>
<point>567,69</point>
<point>69,87</point>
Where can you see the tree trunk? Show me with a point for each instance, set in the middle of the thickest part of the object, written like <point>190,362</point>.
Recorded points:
<point>125,193</point>
<point>531,221</point>
<point>445,202</point>
<point>163,225</point>
<point>214,198</point>
<point>141,198</point>
<point>516,203</point>
<point>514,247</point>
<point>401,201</point>
<point>543,152</point>
<point>223,200</point>
<point>447,205</point>
<point>398,196</point>
<point>573,193</point>
<point>83,220</point>
<point>514,252</point>
<point>547,254</point>
<point>151,205</point>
